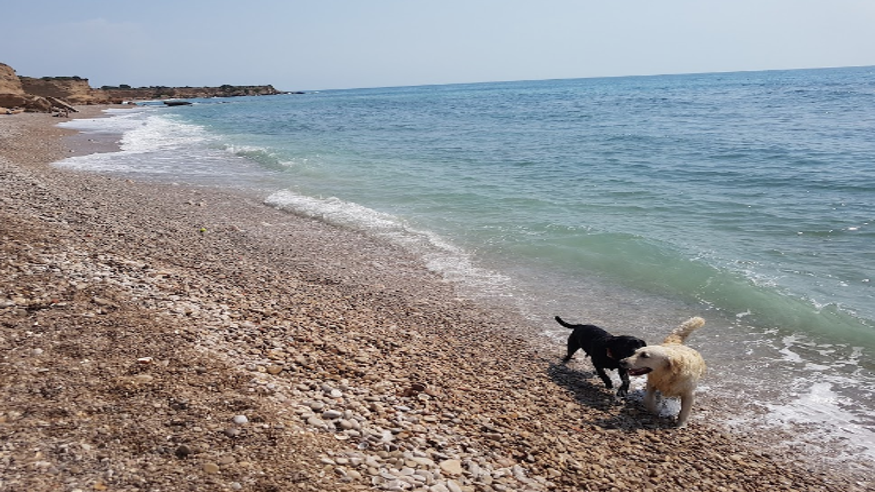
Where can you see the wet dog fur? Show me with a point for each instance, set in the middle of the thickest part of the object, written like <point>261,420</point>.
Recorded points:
<point>604,349</point>
<point>672,369</point>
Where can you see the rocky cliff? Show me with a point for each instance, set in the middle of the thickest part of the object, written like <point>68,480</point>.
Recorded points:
<point>14,97</point>
<point>50,93</point>
<point>73,89</point>
<point>9,82</point>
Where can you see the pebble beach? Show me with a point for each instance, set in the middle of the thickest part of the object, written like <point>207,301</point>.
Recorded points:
<point>165,337</point>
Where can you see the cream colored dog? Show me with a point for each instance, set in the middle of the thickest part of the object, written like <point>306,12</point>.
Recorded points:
<point>672,368</point>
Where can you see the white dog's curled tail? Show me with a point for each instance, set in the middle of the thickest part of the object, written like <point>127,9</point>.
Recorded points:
<point>679,334</point>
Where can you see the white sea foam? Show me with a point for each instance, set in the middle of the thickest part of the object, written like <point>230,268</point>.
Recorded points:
<point>158,145</point>
<point>822,405</point>
<point>159,132</point>
<point>105,162</point>
<point>120,121</point>
<point>824,413</point>
<point>143,129</point>
<point>787,352</point>
<point>440,256</point>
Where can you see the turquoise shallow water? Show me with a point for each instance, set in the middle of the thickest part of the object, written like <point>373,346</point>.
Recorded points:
<point>747,198</point>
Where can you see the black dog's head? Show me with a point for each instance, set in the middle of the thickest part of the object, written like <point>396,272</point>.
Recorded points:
<point>623,346</point>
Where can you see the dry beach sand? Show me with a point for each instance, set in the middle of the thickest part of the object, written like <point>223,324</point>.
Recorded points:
<point>168,338</point>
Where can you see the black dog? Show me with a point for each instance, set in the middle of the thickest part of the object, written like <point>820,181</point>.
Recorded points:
<point>605,350</point>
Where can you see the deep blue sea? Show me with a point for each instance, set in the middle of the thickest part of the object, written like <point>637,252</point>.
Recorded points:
<point>633,203</point>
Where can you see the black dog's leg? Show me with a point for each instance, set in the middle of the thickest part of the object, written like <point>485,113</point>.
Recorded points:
<point>624,388</point>
<point>573,347</point>
<point>605,377</point>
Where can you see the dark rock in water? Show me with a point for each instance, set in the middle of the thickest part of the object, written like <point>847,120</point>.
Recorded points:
<point>177,103</point>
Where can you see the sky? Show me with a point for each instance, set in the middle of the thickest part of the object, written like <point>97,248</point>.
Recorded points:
<point>340,44</point>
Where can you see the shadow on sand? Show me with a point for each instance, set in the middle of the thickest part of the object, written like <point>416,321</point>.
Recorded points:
<point>616,413</point>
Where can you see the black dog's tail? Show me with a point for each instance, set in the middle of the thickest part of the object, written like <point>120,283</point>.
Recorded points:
<point>559,320</point>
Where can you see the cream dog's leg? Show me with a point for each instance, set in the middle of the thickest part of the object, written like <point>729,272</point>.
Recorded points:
<point>686,406</point>
<point>650,398</point>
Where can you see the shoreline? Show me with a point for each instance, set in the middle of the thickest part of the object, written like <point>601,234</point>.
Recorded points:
<point>192,310</point>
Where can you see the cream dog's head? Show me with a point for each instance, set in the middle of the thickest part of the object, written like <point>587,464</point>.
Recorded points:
<point>647,359</point>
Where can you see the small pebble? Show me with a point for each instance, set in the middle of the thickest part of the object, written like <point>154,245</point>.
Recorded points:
<point>183,451</point>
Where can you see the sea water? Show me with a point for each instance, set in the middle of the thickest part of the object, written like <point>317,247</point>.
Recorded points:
<point>633,203</point>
